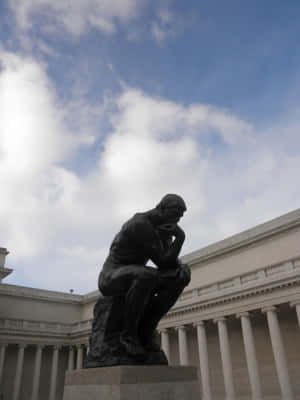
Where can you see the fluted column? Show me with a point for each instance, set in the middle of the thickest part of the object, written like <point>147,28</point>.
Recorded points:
<point>53,377</point>
<point>79,356</point>
<point>71,358</point>
<point>226,358</point>
<point>19,371</point>
<point>2,359</point>
<point>297,306</point>
<point>279,353</point>
<point>165,342</point>
<point>203,359</point>
<point>183,346</point>
<point>37,372</point>
<point>250,355</point>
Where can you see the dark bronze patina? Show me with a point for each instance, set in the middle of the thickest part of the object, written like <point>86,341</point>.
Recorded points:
<point>136,296</point>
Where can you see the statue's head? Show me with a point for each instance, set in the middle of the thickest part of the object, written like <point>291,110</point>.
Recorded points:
<point>171,208</point>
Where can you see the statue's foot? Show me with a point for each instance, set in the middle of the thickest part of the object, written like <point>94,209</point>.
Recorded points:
<point>132,346</point>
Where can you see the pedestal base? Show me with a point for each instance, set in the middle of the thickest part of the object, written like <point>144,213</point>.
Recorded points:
<point>132,383</point>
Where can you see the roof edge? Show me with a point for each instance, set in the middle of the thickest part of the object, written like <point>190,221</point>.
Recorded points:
<point>248,236</point>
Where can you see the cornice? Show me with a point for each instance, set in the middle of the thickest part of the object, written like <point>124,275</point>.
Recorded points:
<point>249,236</point>
<point>39,294</point>
<point>232,298</point>
<point>41,329</point>
<point>4,272</point>
<point>4,251</point>
<point>47,295</point>
<point>90,297</point>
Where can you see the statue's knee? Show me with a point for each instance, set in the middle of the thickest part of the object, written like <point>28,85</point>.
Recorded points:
<point>183,281</point>
<point>148,278</point>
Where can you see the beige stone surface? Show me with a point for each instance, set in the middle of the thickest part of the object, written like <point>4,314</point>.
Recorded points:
<point>268,251</point>
<point>133,383</point>
<point>255,269</point>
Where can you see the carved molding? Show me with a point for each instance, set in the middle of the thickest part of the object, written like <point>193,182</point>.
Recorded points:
<point>233,297</point>
<point>250,280</point>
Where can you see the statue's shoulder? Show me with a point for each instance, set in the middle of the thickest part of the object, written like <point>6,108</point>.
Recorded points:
<point>139,223</point>
<point>138,219</point>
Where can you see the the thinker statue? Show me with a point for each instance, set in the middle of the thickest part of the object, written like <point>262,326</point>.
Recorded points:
<point>137,296</point>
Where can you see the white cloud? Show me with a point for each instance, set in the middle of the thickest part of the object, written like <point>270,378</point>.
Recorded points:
<point>76,16</point>
<point>35,140</point>
<point>58,224</point>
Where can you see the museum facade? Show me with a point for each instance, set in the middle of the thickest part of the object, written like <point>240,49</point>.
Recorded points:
<point>238,322</point>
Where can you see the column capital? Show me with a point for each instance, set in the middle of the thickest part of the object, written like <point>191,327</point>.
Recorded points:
<point>219,319</point>
<point>199,323</point>
<point>56,346</point>
<point>22,345</point>
<point>163,330</point>
<point>79,346</point>
<point>3,345</point>
<point>40,345</point>
<point>267,309</point>
<point>246,314</point>
<point>179,327</point>
<point>295,303</point>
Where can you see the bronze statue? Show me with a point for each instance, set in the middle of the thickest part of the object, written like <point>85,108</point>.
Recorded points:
<point>143,294</point>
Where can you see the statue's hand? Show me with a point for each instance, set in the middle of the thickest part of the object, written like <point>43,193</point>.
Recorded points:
<point>178,232</point>
<point>169,230</point>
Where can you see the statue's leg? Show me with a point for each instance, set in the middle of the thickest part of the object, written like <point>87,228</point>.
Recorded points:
<point>159,304</point>
<point>137,283</point>
<point>137,299</point>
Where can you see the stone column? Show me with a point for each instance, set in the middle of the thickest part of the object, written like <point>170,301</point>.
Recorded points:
<point>53,377</point>
<point>165,342</point>
<point>250,356</point>
<point>226,358</point>
<point>19,371</point>
<point>203,359</point>
<point>297,306</point>
<point>183,347</point>
<point>279,353</point>
<point>79,356</point>
<point>71,358</point>
<point>2,359</point>
<point>37,372</point>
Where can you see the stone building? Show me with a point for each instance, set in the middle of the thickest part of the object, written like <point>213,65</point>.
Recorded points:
<point>238,321</point>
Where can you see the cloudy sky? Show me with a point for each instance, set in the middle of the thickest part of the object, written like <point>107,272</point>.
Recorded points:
<point>107,105</point>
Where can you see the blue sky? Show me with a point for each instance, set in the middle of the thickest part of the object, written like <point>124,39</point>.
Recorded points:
<point>105,106</point>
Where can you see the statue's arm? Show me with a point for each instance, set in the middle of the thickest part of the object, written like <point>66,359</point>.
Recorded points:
<point>165,258</point>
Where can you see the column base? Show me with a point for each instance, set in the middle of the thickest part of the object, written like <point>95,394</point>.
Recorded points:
<point>132,382</point>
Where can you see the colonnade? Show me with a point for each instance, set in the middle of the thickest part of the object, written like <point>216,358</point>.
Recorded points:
<point>76,355</point>
<point>278,350</point>
<point>75,352</point>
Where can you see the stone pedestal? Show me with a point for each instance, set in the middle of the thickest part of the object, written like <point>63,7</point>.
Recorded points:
<point>132,383</point>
